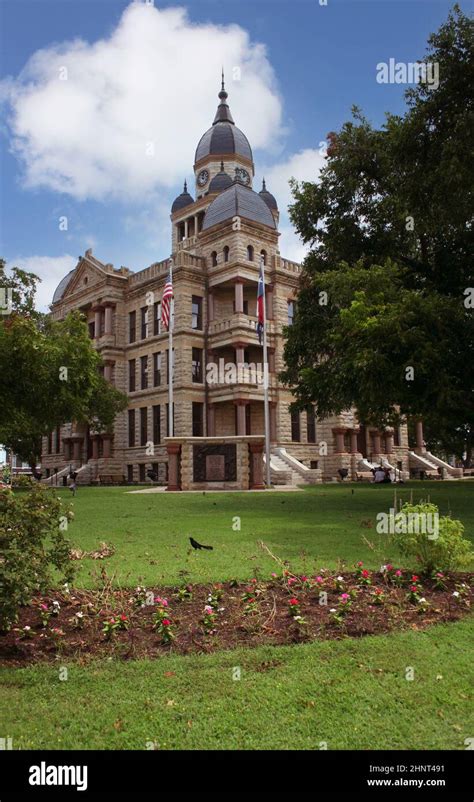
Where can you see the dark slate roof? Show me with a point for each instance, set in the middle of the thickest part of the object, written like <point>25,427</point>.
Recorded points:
<point>61,288</point>
<point>224,136</point>
<point>268,197</point>
<point>220,181</point>
<point>182,200</point>
<point>238,200</point>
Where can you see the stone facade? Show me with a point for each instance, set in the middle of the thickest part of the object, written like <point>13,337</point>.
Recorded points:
<point>215,275</point>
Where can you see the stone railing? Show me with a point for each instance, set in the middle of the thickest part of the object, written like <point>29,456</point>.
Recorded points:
<point>154,271</point>
<point>287,264</point>
<point>189,242</point>
<point>238,321</point>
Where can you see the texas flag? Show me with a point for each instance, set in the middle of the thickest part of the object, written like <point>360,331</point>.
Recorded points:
<point>260,305</point>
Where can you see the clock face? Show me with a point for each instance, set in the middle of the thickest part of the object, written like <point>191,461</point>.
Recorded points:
<point>203,177</point>
<point>243,175</point>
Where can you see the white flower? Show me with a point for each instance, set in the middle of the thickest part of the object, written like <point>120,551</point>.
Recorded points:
<point>383,568</point>
<point>340,579</point>
<point>79,614</point>
<point>332,610</point>
<point>421,601</point>
<point>456,593</point>
<point>26,629</point>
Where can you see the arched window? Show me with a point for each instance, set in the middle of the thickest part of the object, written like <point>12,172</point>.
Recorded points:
<point>226,253</point>
<point>214,258</point>
<point>250,253</point>
<point>264,254</point>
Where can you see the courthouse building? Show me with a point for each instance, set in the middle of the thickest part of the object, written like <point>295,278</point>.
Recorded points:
<point>219,232</point>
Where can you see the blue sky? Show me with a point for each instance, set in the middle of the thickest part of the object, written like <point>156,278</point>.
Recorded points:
<point>134,79</point>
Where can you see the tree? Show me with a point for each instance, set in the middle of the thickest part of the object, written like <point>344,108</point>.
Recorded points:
<point>50,373</point>
<point>390,230</point>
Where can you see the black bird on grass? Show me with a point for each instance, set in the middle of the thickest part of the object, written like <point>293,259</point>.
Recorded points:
<point>197,545</point>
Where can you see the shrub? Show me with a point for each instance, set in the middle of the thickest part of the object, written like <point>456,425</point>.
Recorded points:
<point>444,549</point>
<point>32,544</point>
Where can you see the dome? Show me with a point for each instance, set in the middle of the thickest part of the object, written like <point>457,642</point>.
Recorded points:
<point>240,201</point>
<point>268,197</point>
<point>223,136</point>
<point>61,288</point>
<point>220,181</point>
<point>182,200</point>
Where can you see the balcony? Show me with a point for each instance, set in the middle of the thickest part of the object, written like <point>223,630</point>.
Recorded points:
<point>238,325</point>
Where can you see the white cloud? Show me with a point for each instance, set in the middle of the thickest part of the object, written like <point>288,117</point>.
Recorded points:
<point>153,80</point>
<point>304,166</point>
<point>50,269</point>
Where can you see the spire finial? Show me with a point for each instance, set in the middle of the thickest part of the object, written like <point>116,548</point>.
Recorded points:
<point>222,166</point>
<point>223,87</point>
<point>185,186</point>
<point>264,186</point>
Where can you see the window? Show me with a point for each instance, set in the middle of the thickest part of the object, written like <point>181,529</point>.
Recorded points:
<point>131,428</point>
<point>198,419</point>
<point>58,439</point>
<point>143,426</point>
<point>250,253</point>
<point>264,254</point>
<point>144,322</point>
<point>131,375</point>
<point>295,427</point>
<point>214,258</point>
<point>132,323</point>
<point>197,365</point>
<point>50,443</point>
<point>157,369</point>
<point>314,464</point>
<point>196,312</point>
<point>91,330</point>
<point>156,424</point>
<point>291,312</point>
<point>141,472</point>
<point>310,425</point>
<point>168,420</point>
<point>226,253</point>
<point>144,372</point>
<point>397,436</point>
<point>157,318</point>
<point>248,429</point>
<point>130,473</point>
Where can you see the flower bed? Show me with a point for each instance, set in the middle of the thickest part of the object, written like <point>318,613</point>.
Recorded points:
<point>280,609</point>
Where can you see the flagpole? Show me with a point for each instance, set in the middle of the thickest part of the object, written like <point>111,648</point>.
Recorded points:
<point>266,406</point>
<point>170,362</point>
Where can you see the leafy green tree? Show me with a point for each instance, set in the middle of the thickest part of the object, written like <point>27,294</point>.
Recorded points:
<point>50,373</point>
<point>384,320</point>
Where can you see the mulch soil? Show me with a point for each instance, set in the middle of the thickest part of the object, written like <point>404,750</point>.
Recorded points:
<point>270,623</point>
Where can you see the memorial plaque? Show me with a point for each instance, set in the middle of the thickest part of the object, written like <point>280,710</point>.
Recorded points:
<point>215,463</point>
<point>215,468</point>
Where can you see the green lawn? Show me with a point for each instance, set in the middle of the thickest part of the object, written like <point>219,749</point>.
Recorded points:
<point>311,529</point>
<point>350,694</point>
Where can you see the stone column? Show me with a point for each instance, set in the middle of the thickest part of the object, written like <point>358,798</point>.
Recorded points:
<point>256,463</point>
<point>97,318</point>
<point>419,435</point>
<point>271,360</point>
<point>241,429</point>
<point>354,433</point>
<point>95,446</point>
<point>239,296</point>
<point>377,443</point>
<point>273,421</point>
<point>389,441</point>
<point>211,420</point>
<point>239,353</point>
<point>269,296</point>
<point>210,306</point>
<point>339,435</point>
<point>76,448</point>
<point>173,466</point>
<point>108,368</point>
<point>107,441</point>
<point>185,229</point>
<point>108,318</point>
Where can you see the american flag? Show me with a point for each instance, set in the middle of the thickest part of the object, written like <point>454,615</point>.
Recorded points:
<point>166,301</point>
<point>260,302</point>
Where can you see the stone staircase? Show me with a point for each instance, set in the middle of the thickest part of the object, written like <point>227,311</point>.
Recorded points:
<point>298,473</point>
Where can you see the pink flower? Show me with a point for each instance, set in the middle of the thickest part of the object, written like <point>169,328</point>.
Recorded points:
<point>389,567</point>
<point>208,609</point>
<point>291,581</point>
<point>344,596</point>
<point>415,578</point>
<point>123,617</point>
<point>253,580</point>
<point>274,575</point>
<point>166,622</point>
<point>293,601</point>
<point>44,606</point>
<point>304,578</point>
<point>365,573</point>
<point>360,564</point>
<point>413,588</point>
<point>319,579</point>
<point>398,572</point>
